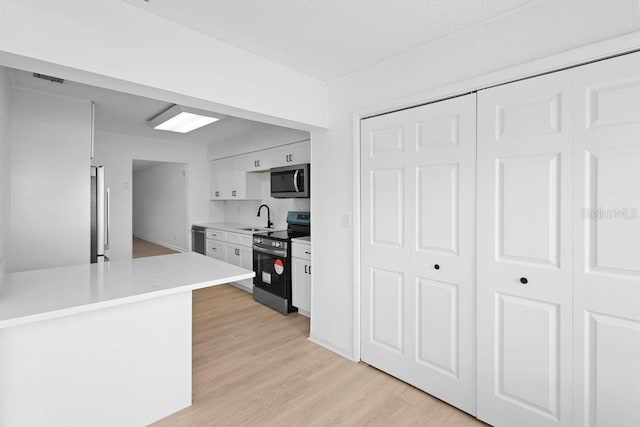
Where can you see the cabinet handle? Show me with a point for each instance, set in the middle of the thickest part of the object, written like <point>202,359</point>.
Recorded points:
<point>217,194</point>
<point>437,267</point>
<point>305,269</point>
<point>307,252</point>
<point>524,280</point>
<point>309,269</point>
<point>258,163</point>
<point>238,252</point>
<point>233,193</point>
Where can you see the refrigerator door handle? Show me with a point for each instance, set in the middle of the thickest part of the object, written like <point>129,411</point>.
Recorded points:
<point>108,221</point>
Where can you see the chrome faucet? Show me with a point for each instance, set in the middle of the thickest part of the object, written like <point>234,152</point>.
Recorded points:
<point>269,223</point>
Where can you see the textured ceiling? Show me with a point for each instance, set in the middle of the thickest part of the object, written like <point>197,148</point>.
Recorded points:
<point>327,38</point>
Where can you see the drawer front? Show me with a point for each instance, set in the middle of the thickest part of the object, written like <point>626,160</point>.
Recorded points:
<point>215,249</point>
<point>240,239</point>
<point>215,234</point>
<point>302,251</point>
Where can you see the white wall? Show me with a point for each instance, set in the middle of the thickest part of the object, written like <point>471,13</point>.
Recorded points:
<point>542,29</point>
<point>244,211</point>
<point>262,139</point>
<point>116,152</point>
<point>50,193</point>
<point>160,205</point>
<point>5,174</point>
<point>87,36</point>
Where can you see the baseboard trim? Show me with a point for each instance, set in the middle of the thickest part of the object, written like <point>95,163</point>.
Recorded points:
<point>158,242</point>
<point>331,347</point>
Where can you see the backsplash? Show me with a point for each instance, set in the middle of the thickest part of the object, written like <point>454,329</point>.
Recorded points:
<point>244,211</point>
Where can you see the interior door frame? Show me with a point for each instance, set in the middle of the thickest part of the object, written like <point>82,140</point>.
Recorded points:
<point>622,45</point>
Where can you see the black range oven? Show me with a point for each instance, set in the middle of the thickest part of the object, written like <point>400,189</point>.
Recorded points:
<point>272,263</point>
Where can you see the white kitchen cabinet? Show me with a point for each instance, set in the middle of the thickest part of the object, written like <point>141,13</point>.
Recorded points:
<point>215,249</point>
<point>241,256</point>
<point>301,275</point>
<point>240,177</point>
<point>231,181</point>
<point>292,154</point>
<point>215,234</point>
<point>259,161</point>
<point>301,286</point>
<point>221,179</point>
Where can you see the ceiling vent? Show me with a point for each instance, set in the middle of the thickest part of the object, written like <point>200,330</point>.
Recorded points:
<point>50,78</point>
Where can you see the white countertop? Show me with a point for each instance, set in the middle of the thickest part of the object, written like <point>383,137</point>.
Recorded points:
<point>304,240</point>
<point>236,228</point>
<point>33,296</point>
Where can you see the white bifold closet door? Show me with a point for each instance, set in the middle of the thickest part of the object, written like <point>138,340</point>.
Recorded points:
<point>418,247</point>
<point>607,242</point>
<point>524,252</point>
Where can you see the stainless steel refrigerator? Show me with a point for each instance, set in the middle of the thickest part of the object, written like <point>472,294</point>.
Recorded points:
<point>99,215</point>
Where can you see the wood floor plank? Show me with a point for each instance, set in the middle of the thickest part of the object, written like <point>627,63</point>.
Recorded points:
<point>255,367</point>
<point>142,248</point>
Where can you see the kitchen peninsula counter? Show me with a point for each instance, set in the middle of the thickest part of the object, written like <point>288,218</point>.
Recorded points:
<point>106,344</point>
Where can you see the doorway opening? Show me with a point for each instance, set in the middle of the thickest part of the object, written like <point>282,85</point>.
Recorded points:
<point>159,208</point>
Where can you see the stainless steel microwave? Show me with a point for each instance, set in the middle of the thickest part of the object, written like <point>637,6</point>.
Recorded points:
<point>290,181</point>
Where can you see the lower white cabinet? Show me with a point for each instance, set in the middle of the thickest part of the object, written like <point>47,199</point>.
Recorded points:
<point>215,249</point>
<point>301,286</point>
<point>234,248</point>
<point>301,275</point>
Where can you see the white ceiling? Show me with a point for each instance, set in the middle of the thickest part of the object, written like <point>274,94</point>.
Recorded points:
<point>128,114</point>
<point>327,38</point>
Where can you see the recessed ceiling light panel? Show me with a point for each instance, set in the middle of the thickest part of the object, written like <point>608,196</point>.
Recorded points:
<point>183,119</point>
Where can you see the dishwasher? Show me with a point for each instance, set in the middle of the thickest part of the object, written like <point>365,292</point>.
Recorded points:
<point>198,239</point>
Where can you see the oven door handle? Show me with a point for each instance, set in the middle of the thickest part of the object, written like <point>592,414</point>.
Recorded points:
<point>282,254</point>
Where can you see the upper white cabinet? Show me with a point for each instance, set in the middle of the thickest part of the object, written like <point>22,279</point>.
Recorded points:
<point>291,155</point>
<point>258,161</point>
<point>231,181</point>
<point>237,178</point>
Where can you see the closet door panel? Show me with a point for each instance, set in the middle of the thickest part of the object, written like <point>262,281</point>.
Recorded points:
<point>607,242</point>
<point>524,252</point>
<point>386,341</point>
<point>418,247</point>
<point>443,250</point>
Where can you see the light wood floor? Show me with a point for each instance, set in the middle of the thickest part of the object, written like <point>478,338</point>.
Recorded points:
<point>253,366</point>
<point>142,248</point>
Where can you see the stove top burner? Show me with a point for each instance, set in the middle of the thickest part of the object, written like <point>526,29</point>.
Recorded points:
<point>283,235</point>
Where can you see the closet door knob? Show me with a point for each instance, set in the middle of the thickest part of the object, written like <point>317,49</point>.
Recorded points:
<point>524,280</point>
<point>437,266</point>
